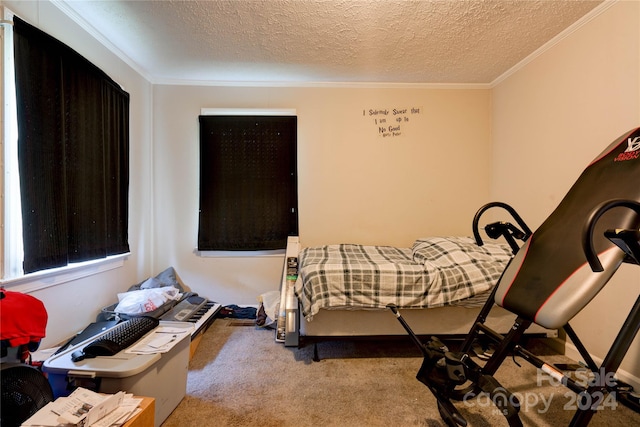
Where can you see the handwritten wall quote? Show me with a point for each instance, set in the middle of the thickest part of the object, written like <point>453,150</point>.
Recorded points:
<point>391,122</point>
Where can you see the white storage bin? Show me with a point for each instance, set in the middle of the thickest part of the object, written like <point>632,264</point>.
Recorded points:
<point>162,376</point>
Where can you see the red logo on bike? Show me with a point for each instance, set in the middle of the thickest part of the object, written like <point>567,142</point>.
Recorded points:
<point>632,152</point>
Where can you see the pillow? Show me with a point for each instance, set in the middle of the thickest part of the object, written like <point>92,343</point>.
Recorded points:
<point>458,250</point>
<point>459,267</point>
<point>165,278</point>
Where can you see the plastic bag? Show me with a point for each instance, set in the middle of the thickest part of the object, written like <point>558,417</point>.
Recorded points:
<point>269,302</point>
<point>145,300</point>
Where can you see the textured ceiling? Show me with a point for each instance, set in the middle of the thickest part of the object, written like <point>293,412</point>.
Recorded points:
<point>326,41</point>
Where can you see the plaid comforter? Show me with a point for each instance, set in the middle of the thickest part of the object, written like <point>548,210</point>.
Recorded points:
<point>434,272</point>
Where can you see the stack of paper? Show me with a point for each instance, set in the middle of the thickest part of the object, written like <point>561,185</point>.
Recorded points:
<point>86,408</point>
<point>161,340</point>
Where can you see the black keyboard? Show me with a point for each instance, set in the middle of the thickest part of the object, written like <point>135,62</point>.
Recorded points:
<point>118,338</point>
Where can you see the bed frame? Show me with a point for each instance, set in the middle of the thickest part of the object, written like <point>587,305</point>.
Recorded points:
<point>449,321</point>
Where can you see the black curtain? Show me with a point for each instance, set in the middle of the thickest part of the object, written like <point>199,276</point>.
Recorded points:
<point>73,154</point>
<point>248,182</point>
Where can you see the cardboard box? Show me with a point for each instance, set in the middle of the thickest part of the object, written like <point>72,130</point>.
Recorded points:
<point>144,418</point>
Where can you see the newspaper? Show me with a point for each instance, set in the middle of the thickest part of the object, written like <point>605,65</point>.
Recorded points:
<point>86,408</point>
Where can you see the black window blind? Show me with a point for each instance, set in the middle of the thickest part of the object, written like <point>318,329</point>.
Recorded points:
<point>248,182</point>
<point>73,154</point>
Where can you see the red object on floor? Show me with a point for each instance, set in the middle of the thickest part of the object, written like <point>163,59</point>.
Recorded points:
<point>23,319</point>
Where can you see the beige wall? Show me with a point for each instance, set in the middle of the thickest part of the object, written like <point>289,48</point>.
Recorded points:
<point>354,185</point>
<point>550,119</point>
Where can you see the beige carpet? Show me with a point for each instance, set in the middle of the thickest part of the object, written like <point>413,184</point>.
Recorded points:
<point>240,377</point>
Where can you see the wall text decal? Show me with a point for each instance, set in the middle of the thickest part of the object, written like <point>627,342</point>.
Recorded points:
<point>391,122</point>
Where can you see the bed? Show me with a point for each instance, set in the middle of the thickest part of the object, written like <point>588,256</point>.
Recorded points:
<point>343,290</point>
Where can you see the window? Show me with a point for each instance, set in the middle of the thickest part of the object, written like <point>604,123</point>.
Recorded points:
<point>71,149</point>
<point>248,182</point>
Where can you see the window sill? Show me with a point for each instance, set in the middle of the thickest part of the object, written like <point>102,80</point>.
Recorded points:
<point>240,254</point>
<point>49,278</point>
